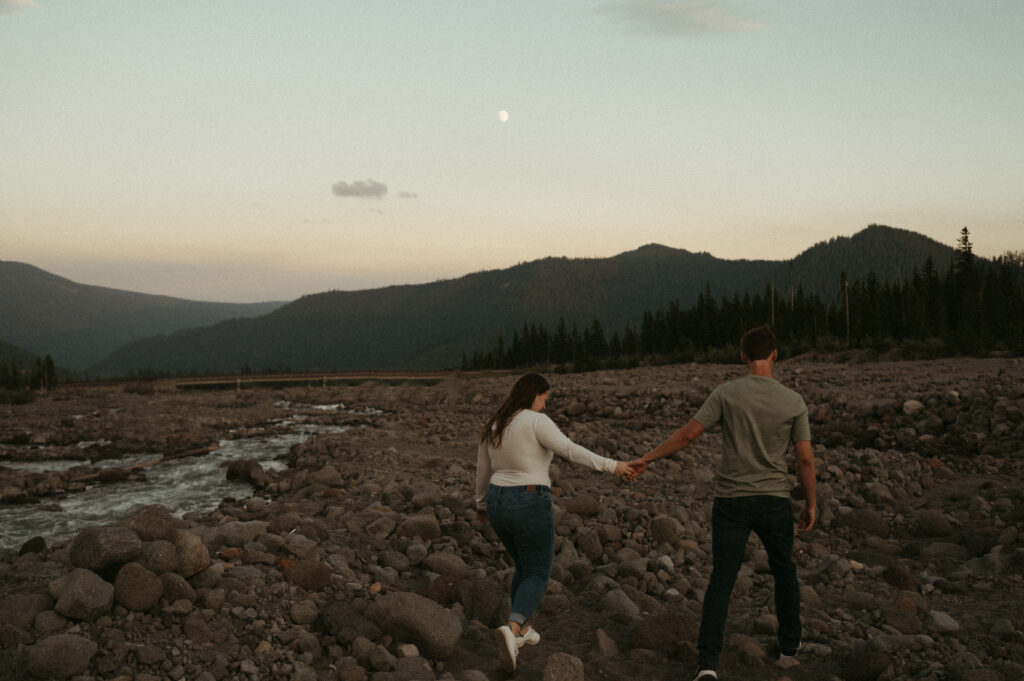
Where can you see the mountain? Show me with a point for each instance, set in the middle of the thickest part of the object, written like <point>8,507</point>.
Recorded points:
<point>79,325</point>
<point>429,326</point>
<point>23,357</point>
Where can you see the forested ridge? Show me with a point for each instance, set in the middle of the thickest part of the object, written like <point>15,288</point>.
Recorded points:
<point>974,307</point>
<point>651,304</point>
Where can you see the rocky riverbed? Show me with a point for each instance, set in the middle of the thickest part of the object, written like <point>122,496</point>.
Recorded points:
<point>362,559</point>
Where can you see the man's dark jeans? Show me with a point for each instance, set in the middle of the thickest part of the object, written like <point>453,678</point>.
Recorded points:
<point>732,520</point>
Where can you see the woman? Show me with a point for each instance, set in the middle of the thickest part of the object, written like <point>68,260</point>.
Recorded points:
<point>513,492</point>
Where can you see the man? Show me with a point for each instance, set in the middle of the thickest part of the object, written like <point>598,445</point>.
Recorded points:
<point>760,418</point>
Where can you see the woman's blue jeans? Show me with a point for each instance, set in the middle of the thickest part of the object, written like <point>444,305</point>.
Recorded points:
<point>732,520</point>
<point>522,519</point>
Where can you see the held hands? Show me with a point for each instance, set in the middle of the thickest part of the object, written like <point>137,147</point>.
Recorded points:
<point>637,467</point>
<point>627,470</point>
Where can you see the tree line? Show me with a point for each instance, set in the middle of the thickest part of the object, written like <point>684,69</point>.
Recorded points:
<point>16,379</point>
<point>975,307</point>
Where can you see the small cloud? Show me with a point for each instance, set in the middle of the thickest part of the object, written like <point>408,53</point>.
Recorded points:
<point>679,17</point>
<point>360,189</point>
<point>16,6</point>
<point>407,195</point>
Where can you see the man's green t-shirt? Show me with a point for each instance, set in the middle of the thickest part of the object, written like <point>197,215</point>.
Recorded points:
<point>760,419</point>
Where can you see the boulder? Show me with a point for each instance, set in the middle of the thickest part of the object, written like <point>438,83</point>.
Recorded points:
<point>445,563</point>
<point>60,656</point>
<point>311,575</point>
<point>152,523</point>
<point>666,530</point>
<point>585,505</point>
<point>563,667</point>
<point>423,526</point>
<point>84,595</point>
<point>193,556</point>
<point>176,588</point>
<point>136,588</point>
<point>412,618</point>
<point>159,556</point>
<point>662,630</point>
<point>20,610</point>
<point>244,470</point>
<point>240,533</point>
<point>865,662</point>
<point>96,548</point>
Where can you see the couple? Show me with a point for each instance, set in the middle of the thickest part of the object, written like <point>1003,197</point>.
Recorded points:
<point>760,419</point>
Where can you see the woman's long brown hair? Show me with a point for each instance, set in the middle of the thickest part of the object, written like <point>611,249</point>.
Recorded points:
<point>520,397</point>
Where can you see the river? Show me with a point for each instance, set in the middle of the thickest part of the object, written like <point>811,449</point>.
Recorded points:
<point>194,484</point>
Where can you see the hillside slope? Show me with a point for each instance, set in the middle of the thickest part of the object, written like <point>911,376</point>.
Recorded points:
<point>78,325</point>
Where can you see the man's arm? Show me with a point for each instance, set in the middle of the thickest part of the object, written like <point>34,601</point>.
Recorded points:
<point>681,439</point>
<point>805,473</point>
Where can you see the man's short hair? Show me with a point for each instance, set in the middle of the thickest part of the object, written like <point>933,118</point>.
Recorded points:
<point>758,343</point>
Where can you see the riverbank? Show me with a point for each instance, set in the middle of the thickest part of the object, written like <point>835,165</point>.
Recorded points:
<point>362,558</point>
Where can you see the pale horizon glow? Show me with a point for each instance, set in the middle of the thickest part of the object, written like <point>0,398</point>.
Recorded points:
<point>245,152</point>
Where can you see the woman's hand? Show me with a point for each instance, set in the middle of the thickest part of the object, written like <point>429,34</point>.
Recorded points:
<point>481,516</point>
<point>622,469</point>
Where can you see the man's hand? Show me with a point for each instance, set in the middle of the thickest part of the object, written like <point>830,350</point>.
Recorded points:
<point>481,516</point>
<point>636,467</point>
<point>807,518</point>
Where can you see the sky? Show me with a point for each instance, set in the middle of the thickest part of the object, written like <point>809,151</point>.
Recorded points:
<point>245,151</point>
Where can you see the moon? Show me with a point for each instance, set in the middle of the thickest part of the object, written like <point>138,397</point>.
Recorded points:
<point>503,116</point>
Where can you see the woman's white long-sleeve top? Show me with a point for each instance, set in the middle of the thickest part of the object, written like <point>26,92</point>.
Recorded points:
<point>530,441</point>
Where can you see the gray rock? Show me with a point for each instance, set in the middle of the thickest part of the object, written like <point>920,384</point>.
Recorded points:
<point>864,520</point>
<point>311,575</point>
<point>85,596</point>
<point>666,629</point>
<point>301,547</point>
<point>666,530</point>
<point>933,523</point>
<point>912,407</point>
<point>588,544</point>
<point>481,599</point>
<point>193,556</point>
<point>427,495</point>
<point>616,601</point>
<point>239,533</point>
<point>423,526</point>
<point>747,649</point>
<point>943,551</point>
<point>159,556</point>
<point>585,505</point>
<point>176,588</point>
<point>152,523</point>
<point>20,610</point>
<point>444,563</point>
<point>136,588</point>
<point>60,656</point>
<point>383,526</point>
<point>247,471</point>
<point>96,548</point>
<point>345,621</point>
<point>879,494</point>
<point>563,667</point>
<point>942,623</point>
<point>416,619</point>
<point>304,612</point>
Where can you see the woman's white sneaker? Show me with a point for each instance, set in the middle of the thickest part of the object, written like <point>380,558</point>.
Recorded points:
<point>507,648</point>
<point>531,637</point>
